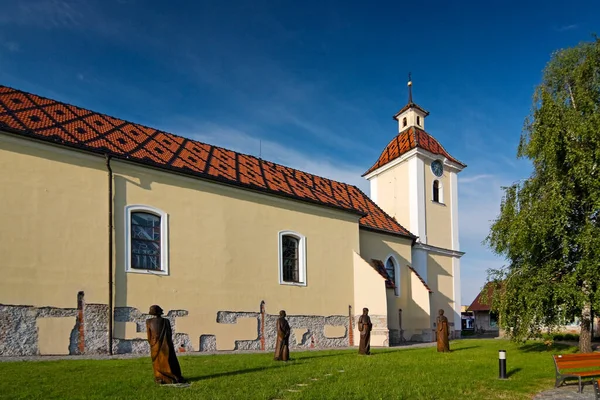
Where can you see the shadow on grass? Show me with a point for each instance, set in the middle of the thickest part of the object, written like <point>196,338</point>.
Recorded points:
<point>238,372</point>
<point>541,347</point>
<point>512,372</point>
<point>464,348</point>
<point>316,355</point>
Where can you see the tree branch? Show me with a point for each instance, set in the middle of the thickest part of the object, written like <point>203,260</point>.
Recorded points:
<point>571,94</point>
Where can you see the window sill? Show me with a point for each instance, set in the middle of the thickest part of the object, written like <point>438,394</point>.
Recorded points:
<point>438,203</point>
<point>146,272</point>
<point>293,283</point>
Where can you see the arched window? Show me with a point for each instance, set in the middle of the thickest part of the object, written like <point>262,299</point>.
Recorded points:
<point>418,120</point>
<point>436,191</point>
<point>404,123</point>
<point>391,268</point>
<point>146,240</point>
<point>292,258</point>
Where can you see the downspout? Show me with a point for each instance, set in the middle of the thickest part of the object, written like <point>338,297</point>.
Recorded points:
<point>110,255</point>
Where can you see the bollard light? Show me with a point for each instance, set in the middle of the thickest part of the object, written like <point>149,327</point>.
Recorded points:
<point>502,363</point>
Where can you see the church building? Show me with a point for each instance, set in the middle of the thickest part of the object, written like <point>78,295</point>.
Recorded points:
<point>102,218</point>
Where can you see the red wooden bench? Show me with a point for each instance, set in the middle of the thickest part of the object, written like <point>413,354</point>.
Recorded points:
<point>576,366</point>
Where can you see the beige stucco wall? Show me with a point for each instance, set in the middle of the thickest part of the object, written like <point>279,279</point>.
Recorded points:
<point>415,313</point>
<point>438,216</point>
<point>223,243</point>
<point>441,282</point>
<point>224,253</point>
<point>393,194</point>
<point>53,237</point>
<point>369,292</point>
<point>54,335</point>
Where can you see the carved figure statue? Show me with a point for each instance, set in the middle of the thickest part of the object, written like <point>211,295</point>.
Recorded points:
<point>364,327</point>
<point>443,333</point>
<point>164,360</point>
<point>282,349</point>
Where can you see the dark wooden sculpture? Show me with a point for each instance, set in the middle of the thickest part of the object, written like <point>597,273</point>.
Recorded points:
<point>282,349</point>
<point>164,360</point>
<point>443,333</point>
<point>365,326</point>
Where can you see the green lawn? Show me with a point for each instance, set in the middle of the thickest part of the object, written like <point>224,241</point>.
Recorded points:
<point>469,372</point>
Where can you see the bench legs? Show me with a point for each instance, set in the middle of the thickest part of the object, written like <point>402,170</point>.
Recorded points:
<point>560,379</point>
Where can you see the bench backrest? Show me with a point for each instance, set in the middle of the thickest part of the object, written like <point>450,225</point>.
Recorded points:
<point>571,361</point>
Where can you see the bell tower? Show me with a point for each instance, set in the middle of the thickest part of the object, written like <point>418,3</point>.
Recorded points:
<point>415,180</point>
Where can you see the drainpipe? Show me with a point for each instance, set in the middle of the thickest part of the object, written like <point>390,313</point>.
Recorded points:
<point>110,254</point>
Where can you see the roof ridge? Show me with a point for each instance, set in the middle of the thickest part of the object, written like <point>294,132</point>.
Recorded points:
<point>16,118</point>
<point>439,144</point>
<point>165,131</point>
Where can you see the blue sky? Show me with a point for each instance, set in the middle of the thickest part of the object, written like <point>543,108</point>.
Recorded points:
<point>316,82</point>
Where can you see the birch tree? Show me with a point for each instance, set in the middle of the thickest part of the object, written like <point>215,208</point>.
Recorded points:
<point>548,228</point>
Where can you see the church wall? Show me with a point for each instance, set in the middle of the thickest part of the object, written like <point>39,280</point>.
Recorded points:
<point>414,316</point>
<point>438,215</point>
<point>392,193</point>
<point>441,282</point>
<point>224,254</point>
<point>370,292</point>
<point>53,236</point>
<point>222,291</point>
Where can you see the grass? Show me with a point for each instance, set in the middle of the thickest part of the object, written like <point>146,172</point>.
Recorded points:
<point>469,372</point>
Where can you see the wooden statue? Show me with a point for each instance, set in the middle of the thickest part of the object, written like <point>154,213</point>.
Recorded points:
<point>365,326</point>
<point>282,349</point>
<point>443,333</point>
<point>164,360</point>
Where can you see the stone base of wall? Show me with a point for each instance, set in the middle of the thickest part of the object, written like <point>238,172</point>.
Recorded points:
<point>19,333</point>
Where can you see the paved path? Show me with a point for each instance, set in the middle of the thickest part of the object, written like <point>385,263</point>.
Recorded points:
<point>567,392</point>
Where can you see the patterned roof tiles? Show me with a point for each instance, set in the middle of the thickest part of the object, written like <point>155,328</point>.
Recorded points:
<point>407,140</point>
<point>52,121</point>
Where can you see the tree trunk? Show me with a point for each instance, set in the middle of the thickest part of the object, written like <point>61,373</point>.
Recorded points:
<point>585,335</point>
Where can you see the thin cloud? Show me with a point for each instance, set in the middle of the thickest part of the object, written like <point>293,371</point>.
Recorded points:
<point>13,47</point>
<point>475,178</point>
<point>565,28</point>
<point>44,13</point>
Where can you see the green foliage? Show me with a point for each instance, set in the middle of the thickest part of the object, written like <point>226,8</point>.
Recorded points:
<point>549,224</point>
<point>470,371</point>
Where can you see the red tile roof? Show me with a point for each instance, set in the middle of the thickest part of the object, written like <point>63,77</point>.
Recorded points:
<point>481,304</point>
<point>421,279</point>
<point>407,140</point>
<point>380,268</point>
<point>52,121</point>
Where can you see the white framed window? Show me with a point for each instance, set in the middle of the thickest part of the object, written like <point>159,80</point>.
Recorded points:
<point>292,258</point>
<point>393,270</point>
<point>437,192</point>
<point>146,240</point>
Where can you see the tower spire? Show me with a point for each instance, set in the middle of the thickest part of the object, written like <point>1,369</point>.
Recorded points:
<point>410,100</point>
